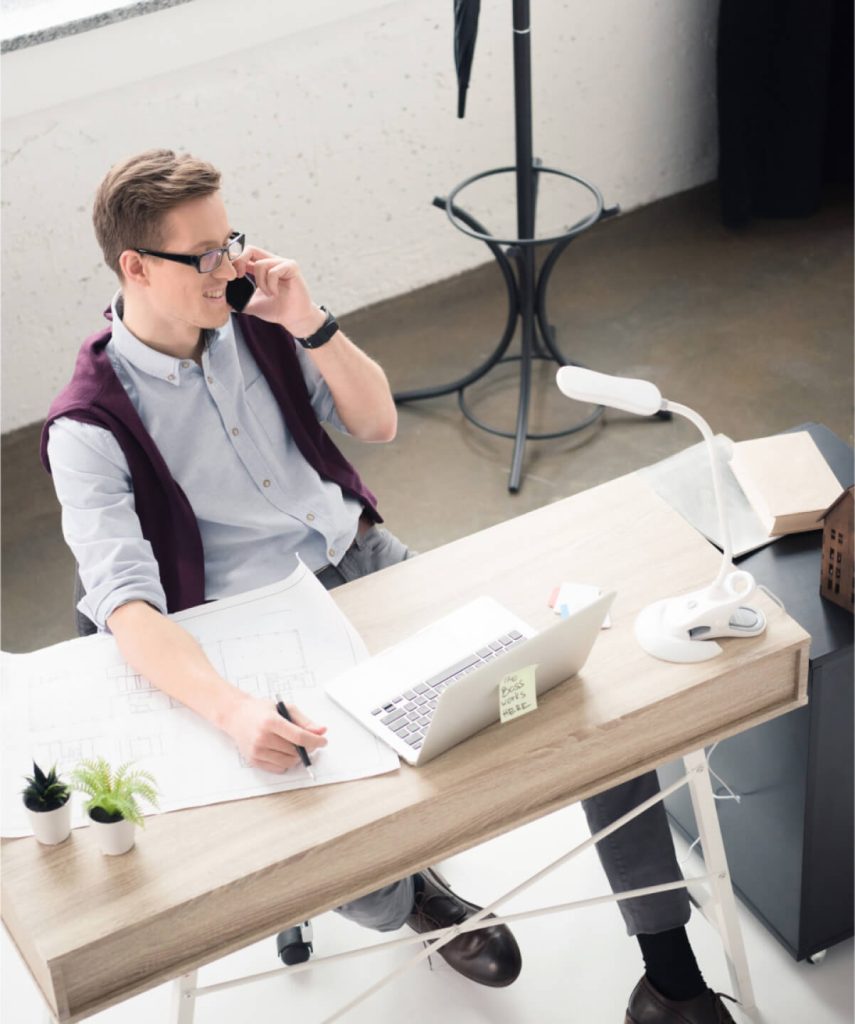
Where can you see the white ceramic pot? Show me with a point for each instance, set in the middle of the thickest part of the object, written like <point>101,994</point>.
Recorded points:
<point>114,837</point>
<point>52,827</point>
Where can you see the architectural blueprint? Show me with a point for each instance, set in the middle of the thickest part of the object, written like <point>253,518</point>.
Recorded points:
<point>80,699</point>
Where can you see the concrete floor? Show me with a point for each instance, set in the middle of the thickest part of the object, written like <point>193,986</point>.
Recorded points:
<point>753,329</point>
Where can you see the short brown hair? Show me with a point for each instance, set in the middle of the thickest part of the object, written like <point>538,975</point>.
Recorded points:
<point>137,193</point>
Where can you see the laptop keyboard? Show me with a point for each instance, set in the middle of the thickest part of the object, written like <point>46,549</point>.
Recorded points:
<point>409,715</point>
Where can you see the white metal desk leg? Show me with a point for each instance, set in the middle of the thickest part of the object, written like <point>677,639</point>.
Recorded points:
<point>706,817</point>
<point>184,998</point>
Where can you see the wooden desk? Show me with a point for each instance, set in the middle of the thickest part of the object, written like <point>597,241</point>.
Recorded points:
<point>204,882</point>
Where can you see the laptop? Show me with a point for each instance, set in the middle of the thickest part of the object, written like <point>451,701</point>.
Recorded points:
<point>441,685</point>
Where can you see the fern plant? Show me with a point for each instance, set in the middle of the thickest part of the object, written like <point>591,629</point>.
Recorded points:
<point>44,792</point>
<point>114,792</point>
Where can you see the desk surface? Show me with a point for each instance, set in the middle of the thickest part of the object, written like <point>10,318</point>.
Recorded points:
<point>206,881</point>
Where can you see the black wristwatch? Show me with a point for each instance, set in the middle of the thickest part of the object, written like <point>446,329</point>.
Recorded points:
<point>323,334</point>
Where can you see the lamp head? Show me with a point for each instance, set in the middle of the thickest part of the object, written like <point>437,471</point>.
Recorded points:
<point>629,394</point>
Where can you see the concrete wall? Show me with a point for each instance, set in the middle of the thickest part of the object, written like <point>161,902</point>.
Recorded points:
<point>334,124</point>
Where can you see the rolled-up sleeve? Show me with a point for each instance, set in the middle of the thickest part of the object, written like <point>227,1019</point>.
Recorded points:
<point>320,395</point>
<point>99,520</point>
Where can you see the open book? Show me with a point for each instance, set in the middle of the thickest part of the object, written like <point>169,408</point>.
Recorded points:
<point>787,481</point>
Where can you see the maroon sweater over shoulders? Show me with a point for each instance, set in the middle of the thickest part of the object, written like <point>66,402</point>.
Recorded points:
<point>95,395</point>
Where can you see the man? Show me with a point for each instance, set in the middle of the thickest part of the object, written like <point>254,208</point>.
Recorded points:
<point>189,459</point>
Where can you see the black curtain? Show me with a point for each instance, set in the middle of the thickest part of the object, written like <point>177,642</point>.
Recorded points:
<point>785,105</point>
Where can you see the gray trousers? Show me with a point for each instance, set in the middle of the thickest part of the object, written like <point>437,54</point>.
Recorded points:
<point>637,855</point>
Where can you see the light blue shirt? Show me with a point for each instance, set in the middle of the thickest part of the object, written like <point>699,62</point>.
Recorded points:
<point>218,427</point>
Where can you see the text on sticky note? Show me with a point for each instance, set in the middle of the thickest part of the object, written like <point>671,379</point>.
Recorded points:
<point>517,695</point>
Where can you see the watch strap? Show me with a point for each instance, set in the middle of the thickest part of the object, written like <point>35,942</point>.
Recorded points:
<point>323,334</point>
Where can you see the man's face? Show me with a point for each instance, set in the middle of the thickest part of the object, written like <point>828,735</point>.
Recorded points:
<point>177,292</point>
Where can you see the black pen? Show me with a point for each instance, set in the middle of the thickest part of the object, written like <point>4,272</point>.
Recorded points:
<point>304,757</point>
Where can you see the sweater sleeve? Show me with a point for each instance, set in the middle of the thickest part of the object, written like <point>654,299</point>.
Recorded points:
<point>99,520</point>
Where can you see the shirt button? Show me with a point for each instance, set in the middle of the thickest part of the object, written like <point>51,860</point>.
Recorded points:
<point>266,483</point>
<point>331,552</point>
<point>170,376</point>
<point>235,431</point>
<point>310,517</point>
<point>184,364</point>
<point>210,380</point>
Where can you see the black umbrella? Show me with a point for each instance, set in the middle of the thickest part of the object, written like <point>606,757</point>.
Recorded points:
<point>465,33</point>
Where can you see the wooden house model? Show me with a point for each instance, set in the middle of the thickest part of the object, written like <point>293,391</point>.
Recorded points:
<point>837,582</point>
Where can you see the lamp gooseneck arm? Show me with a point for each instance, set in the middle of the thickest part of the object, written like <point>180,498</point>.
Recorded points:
<point>704,427</point>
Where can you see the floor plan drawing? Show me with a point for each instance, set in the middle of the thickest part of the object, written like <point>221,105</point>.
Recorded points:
<point>79,699</point>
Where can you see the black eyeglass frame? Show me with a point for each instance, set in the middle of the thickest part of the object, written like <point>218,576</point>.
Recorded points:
<point>196,261</point>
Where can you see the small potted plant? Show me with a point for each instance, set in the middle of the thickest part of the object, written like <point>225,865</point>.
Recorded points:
<point>112,805</point>
<point>46,798</point>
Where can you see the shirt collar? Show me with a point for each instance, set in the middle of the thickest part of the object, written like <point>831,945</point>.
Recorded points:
<point>149,360</point>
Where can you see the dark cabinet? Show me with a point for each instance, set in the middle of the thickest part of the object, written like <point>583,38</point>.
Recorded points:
<point>789,839</point>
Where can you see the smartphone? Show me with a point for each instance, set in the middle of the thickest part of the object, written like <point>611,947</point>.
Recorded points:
<point>239,292</point>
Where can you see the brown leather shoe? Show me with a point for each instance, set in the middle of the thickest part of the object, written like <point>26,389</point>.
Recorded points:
<point>647,1006</point>
<point>489,956</point>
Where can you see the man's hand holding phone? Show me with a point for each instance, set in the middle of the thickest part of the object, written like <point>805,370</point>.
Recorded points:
<point>281,295</point>
<point>359,388</point>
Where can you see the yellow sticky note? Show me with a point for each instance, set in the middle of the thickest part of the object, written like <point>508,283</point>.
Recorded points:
<point>517,695</point>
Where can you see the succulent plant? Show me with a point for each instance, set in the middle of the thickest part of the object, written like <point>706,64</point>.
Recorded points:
<point>115,793</point>
<point>44,792</point>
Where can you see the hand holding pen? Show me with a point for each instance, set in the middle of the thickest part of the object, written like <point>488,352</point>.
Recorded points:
<point>304,756</point>
<point>264,737</point>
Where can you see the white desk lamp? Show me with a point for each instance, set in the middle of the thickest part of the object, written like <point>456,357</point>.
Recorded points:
<point>678,628</point>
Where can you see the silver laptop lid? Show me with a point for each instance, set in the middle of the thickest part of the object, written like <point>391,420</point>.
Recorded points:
<point>380,685</point>
<point>472,703</point>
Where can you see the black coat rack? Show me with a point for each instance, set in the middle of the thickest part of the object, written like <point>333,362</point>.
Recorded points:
<point>526,289</point>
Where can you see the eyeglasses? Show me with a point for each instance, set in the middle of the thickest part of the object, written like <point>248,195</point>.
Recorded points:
<point>209,260</point>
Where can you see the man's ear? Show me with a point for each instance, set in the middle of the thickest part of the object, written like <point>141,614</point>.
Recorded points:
<point>133,268</point>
